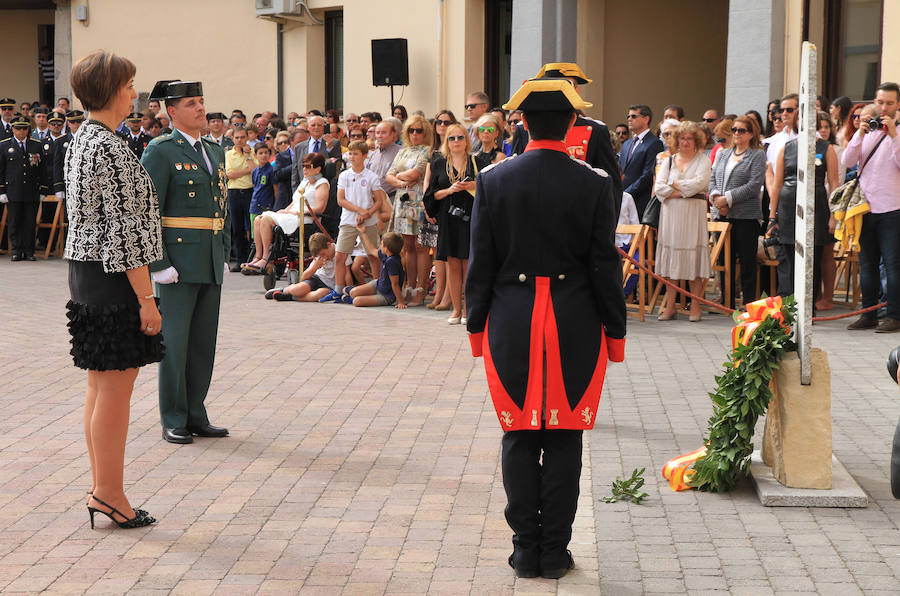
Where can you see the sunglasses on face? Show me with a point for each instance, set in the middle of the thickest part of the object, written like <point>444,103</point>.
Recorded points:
<point>855,117</point>
<point>443,122</point>
<point>268,138</point>
<point>454,138</point>
<point>7,108</point>
<point>352,120</point>
<point>514,121</point>
<point>416,131</point>
<point>307,166</point>
<point>709,120</point>
<point>739,131</point>
<point>281,143</point>
<point>357,136</point>
<point>472,106</point>
<point>633,116</point>
<point>788,110</point>
<point>486,129</point>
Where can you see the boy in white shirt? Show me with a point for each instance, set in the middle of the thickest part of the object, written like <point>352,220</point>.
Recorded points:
<point>360,195</point>
<point>317,280</point>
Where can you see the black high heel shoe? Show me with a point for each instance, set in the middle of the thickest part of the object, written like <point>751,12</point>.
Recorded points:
<point>137,512</point>
<point>141,518</point>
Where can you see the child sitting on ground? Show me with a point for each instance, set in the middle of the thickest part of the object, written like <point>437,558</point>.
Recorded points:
<point>385,290</point>
<point>360,195</point>
<point>317,280</point>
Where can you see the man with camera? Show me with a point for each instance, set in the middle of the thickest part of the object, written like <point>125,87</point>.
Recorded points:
<point>876,147</point>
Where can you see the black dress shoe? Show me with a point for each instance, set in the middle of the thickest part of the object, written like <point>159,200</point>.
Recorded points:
<point>17,258</point>
<point>522,571</point>
<point>30,258</point>
<point>208,430</point>
<point>182,436</point>
<point>558,572</point>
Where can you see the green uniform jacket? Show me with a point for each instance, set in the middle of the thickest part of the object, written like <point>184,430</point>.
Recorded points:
<point>186,189</point>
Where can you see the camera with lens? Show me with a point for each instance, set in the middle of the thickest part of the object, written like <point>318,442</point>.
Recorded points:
<point>459,212</point>
<point>875,124</point>
<point>767,242</point>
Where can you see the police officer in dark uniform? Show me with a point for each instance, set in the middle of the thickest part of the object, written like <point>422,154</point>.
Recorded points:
<point>188,173</point>
<point>135,138</point>
<point>588,140</point>
<point>7,113</point>
<point>74,118</point>
<point>216,123</point>
<point>546,310</point>
<point>24,182</point>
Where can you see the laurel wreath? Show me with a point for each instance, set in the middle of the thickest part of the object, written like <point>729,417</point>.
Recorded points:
<point>741,396</point>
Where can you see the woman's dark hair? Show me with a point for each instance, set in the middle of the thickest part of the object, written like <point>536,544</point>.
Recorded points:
<point>316,160</point>
<point>332,116</point>
<point>770,127</point>
<point>437,138</point>
<point>97,77</point>
<point>278,124</point>
<point>844,104</point>
<point>754,114</point>
<point>549,125</point>
<point>824,117</point>
<point>752,123</point>
<point>403,113</point>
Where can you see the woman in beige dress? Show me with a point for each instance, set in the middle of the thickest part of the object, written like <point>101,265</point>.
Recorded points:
<point>681,185</point>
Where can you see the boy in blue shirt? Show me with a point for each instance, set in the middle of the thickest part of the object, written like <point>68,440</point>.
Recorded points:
<point>385,290</point>
<point>264,187</point>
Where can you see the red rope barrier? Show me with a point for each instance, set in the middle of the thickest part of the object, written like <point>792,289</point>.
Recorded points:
<point>718,306</point>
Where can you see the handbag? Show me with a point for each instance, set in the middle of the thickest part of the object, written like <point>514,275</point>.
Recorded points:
<point>651,212</point>
<point>847,202</point>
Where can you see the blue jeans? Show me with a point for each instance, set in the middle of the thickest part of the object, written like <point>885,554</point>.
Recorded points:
<point>880,240</point>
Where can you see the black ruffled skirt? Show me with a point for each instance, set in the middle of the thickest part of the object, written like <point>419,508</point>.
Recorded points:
<point>105,321</point>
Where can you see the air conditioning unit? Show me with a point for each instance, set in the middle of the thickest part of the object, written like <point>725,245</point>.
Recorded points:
<point>275,8</point>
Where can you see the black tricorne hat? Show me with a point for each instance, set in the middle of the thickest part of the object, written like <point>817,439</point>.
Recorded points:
<point>175,89</point>
<point>546,95</point>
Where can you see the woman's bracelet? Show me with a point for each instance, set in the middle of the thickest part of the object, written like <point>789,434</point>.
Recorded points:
<point>147,297</point>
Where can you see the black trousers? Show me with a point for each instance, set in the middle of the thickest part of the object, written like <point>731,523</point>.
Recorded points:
<point>541,471</point>
<point>239,206</point>
<point>21,221</point>
<point>785,270</point>
<point>744,234</point>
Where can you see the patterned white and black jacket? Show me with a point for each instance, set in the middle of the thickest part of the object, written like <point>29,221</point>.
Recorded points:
<point>111,202</point>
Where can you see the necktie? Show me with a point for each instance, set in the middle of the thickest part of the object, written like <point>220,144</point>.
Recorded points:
<point>316,146</point>
<point>22,147</point>
<point>634,145</point>
<point>199,149</point>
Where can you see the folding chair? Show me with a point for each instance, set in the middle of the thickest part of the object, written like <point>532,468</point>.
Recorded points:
<point>638,246</point>
<point>846,278</point>
<point>57,226</point>
<point>720,244</point>
<point>4,241</point>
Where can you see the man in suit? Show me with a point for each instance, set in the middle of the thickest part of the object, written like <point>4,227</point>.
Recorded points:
<point>284,166</point>
<point>588,140</point>
<point>315,143</point>
<point>546,310</point>
<point>24,182</point>
<point>74,118</point>
<point>189,175</point>
<point>136,139</point>
<point>216,123</point>
<point>638,156</point>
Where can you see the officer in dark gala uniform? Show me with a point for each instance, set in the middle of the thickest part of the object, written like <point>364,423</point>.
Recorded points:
<point>189,175</point>
<point>74,118</point>
<point>7,112</point>
<point>24,182</point>
<point>546,310</point>
<point>136,139</point>
<point>588,140</point>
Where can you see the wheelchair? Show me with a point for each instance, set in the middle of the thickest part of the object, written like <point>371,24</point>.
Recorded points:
<point>284,253</point>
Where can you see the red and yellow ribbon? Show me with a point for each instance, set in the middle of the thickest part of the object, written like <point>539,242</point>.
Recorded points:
<point>678,470</point>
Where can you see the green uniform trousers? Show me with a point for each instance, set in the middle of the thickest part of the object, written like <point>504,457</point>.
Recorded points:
<point>190,323</point>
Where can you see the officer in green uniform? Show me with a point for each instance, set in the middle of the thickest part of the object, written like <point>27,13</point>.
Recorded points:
<point>190,180</point>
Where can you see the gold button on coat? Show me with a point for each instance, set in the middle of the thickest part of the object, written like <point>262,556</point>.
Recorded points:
<point>522,277</point>
<point>562,276</point>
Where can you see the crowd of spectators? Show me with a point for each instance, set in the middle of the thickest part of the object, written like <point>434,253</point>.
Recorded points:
<point>420,185</point>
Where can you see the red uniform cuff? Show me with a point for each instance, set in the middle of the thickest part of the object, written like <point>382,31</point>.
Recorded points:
<point>615,348</point>
<point>477,342</point>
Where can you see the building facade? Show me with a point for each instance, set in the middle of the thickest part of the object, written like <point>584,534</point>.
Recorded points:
<point>295,55</point>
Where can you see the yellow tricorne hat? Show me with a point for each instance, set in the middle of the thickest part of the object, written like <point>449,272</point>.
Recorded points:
<point>545,95</point>
<point>562,70</point>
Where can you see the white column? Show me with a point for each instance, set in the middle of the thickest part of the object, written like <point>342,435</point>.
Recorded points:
<point>542,31</point>
<point>755,67</point>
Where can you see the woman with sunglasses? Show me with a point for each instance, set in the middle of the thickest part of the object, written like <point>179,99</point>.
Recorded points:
<point>431,229</point>
<point>737,175</point>
<point>451,188</point>
<point>488,130</point>
<point>407,175</point>
<point>355,133</point>
<point>850,128</point>
<point>773,118</point>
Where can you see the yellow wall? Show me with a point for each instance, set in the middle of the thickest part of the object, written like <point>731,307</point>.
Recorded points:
<point>19,46</point>
<point>890,51</point>
<point>657,52</point>
<point>219,42</point>
<point>591,52</point>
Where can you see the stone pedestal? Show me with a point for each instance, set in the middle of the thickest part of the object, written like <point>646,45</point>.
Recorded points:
<point>797,437</point>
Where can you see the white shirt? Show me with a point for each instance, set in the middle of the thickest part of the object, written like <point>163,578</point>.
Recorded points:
<point>627,216</point>
<point>310,143</point>
<point>776,142</point>
<point>359,188</point>
<point>192,142</point>
<point>638,139</point>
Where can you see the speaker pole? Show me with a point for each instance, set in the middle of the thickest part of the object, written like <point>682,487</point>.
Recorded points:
<point>392,100</point>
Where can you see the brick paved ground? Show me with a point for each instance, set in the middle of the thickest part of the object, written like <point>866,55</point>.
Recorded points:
<point>363,459</point>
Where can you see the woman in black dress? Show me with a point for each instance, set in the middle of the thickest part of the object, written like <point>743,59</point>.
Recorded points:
<point>114,234</point>
<point>489,129</point>
<point>450,192</point>
<point>783,208</point>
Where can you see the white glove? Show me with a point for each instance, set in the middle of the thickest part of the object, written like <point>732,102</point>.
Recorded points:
<point>4,198</point>
<point>227,270</point>
<point>61,195</point>
<point>166,276</point>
